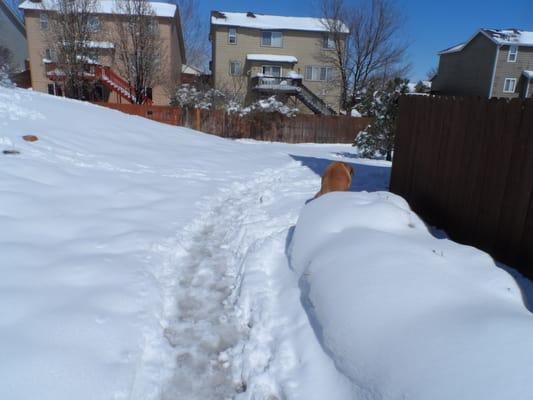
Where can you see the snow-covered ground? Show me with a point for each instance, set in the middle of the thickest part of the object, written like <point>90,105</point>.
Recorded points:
<point>404,314</point>
<point>143,261</point>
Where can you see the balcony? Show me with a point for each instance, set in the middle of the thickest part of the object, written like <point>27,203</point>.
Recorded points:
<point>277,84</point>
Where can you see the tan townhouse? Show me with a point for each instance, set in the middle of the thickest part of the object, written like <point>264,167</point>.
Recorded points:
<point>257,55</point>
<point>102,69</point>
<point>492,63</point>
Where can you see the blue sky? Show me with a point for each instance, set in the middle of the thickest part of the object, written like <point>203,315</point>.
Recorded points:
<point>430,25</point>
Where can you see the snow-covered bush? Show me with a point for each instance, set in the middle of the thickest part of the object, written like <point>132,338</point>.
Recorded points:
<point>270,105</point>
<point>423,87</point>
<point>5,81</point>
<point>378,138</point>
<point>188,96</point>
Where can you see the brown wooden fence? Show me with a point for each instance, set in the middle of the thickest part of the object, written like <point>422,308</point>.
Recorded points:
<point>271,127</point>
<point>466,165</point>
<point>165,114</point>
<point>274,127</point>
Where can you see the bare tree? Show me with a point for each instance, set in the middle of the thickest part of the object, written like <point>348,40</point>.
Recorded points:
<point>372,52</point>
<point>194,33</point>
<point>234,89</point>
<point>139,47</point>
<point>71,29</point>
<point>6,57</point>
<point>432,72</point>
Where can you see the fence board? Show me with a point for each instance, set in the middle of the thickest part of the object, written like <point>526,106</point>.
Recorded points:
<point>466,164</point>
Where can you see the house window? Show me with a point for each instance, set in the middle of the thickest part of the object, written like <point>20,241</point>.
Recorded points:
<point>232,36</point>
<point>43,20</point>
<point>54,89</point>
<point>235,68</point>
<point>509,85</point>
<point>50,55</point>
<point>272,70</point>
<point>271,39</point>
<point>513,54</point>
<point>317,73</point>
<point>94,23</point>
<point>329,41</point>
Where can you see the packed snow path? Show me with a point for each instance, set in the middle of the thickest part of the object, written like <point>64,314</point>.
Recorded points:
<point>228,334</point>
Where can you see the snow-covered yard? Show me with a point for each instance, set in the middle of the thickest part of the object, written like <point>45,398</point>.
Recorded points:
<point>143,261</point>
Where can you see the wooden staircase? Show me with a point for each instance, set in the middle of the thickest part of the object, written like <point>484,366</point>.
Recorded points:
<point>117,84</point>
<point>313,102</point>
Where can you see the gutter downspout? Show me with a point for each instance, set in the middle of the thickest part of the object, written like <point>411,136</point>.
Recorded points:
<point>494,70</point>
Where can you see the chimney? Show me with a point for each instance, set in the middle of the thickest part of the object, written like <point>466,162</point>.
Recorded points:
<point>218,15</point>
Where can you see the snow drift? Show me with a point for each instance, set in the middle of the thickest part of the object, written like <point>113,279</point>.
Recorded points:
<point>403,314</point>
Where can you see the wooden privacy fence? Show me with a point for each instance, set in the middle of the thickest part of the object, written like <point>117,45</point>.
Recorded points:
<point>165,114</point>
<point>275,127</point>
<point>466,165</point>
<point>266,126</point>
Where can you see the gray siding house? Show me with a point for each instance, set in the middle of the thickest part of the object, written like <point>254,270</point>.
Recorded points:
<point>12,32</point>
<point>492,63</point>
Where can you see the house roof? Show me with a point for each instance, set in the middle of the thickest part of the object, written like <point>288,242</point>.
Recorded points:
<point>103,7</point>
<point>262,21</point>
<point>191,70</point>
<point>501,37</point>
<point>272,58</point>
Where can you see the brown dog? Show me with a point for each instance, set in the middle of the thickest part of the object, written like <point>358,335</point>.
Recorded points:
<point>336,178</point>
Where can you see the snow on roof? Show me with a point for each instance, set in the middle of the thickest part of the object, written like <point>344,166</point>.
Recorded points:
<point>189,69</point>
<point>528,74</point>
<point>498,36</point>
<point>271,57</point>
<point>100,45</point>
<point>453,49</point>
<point>262,21</point>
<point>103,7</point>
<point>509,36</point>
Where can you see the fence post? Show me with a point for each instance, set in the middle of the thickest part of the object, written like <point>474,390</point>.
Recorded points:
<point>197,122</point>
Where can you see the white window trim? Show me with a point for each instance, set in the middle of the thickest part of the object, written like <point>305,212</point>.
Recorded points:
<point>43,19</point>
<point>505,84</point>
<point>265,45</point>
<point>94,23</point>
<point>325,40</point>
<point>50,55</point>
<point>270,66</point>
<point>240,67</point>
<point>230,35</point>
<point>319,73</point>
<point>510,53</point>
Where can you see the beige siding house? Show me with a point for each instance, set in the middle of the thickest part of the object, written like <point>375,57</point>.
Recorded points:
<point>109,85</point>
<point>493,63</point>
<point>257,55</point>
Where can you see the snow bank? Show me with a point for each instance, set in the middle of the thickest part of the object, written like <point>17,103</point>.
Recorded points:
<point>404,314</point>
